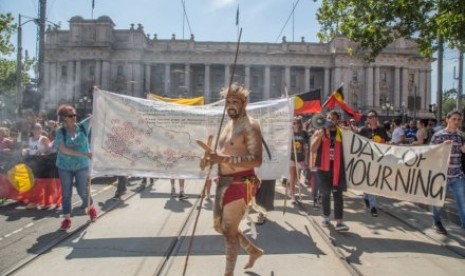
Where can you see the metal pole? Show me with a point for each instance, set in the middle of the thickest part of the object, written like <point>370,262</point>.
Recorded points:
<point>415,102</point>
<point>42,20</point>
<point>460,79</point>
<point>19,70</point>
<point>439,81</point>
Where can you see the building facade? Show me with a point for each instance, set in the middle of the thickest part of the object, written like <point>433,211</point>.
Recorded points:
<point>130,62</point>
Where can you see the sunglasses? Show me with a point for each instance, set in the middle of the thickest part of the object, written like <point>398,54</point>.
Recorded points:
<point>70,116</point>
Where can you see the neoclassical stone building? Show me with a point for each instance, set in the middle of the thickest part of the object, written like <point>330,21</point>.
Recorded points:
<point>132,62</point>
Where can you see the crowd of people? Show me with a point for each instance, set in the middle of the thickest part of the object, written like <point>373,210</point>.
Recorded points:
<point>316,156</point>
<point>320,152</point>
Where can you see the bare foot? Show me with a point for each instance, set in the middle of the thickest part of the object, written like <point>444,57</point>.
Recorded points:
<point>253,257</point>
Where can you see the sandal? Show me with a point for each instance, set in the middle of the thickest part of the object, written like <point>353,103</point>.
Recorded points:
<point>261,219</point>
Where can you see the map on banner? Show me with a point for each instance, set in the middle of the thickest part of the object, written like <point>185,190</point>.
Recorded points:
<point>413,173</point>
<point>146,138</point>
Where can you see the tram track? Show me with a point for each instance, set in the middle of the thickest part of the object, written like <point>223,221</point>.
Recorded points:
<point>419,232</point>
<point>68,235</point>
<point>176,232</point>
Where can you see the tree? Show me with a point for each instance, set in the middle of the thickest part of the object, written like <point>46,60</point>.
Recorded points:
<point>449,101</point>
<point>6,29</point>
<point>374,24</point>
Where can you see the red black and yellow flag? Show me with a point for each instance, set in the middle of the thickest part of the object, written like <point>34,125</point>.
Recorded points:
<point>337,97</point>
<point>308,102</point>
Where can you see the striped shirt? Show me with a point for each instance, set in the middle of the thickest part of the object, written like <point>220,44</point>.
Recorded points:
<point>455,170</point>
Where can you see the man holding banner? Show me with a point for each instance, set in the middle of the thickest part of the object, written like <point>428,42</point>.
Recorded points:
<point>327,144</point>
<point>455,173</point>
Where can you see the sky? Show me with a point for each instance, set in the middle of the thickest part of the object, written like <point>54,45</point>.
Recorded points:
<point>207,20</point>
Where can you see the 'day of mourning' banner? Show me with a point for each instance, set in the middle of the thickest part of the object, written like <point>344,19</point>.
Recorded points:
<point>146,138</point>
<point>413,173</point>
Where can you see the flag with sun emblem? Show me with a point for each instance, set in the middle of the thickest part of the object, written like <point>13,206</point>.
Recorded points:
<point>308,102</point>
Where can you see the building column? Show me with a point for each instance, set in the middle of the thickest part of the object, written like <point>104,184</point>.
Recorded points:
<point>247,76</point>
<point>106,75</point>
<point>369,86</point>
<point>187,78</point>
<point>287,77</point>
<point>147,79</point>
<point>404,85</point>
<point>207,84</point>
<point>397,100</point>
<point>69,78</point>
<point>428,86</point>
<point>422,88</point>
<point>98,73</point>
<point>376,82</point>
<point>227,74</point>
<point>139,78</point>
<point>337,77</point>
<point>326,84</point>
<point>77,81</point>
<point>167,79</point>
<point>307,79</point>
<point>266,85</point>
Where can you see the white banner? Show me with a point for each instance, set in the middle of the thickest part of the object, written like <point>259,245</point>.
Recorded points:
<point>146,138</point>
<point>413,173</point>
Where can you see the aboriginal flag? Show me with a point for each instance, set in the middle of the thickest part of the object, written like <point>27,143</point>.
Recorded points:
<point>337,98</point>
<point>308,102</point>
<point>32,179</point>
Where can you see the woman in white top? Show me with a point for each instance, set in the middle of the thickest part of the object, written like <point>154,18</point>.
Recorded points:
<point>38,144</point>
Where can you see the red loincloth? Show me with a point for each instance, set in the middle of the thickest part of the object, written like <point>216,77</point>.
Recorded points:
<point>244,186</point>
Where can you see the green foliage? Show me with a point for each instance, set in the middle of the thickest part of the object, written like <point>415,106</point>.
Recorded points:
<point>374,24</point>
<point>449,101</point>
<point>8,75</point>
<point>6,29</point>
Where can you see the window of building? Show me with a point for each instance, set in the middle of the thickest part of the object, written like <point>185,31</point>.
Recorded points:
<point>354,76</point>
<point>64,72</point>
<point>312,81</point>
<point>92,71</point>
<point>120,70</point>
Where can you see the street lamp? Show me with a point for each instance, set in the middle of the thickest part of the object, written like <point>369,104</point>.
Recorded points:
<point>403,108</point>
<point>386,105</point>
<point>19,66</point>
<point>85,105</point>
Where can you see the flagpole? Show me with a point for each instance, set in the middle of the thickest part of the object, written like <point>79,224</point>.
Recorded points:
<point>93,6</point>
<point>327,100</point>
<point>191,240</point>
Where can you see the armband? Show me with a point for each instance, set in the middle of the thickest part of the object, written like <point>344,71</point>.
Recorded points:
<point>239,159</point>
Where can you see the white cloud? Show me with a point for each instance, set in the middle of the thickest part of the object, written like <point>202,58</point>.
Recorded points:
<point>219,4</point>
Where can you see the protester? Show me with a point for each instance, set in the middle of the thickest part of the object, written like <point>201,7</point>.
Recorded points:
<point>38,144</point>
<point>421,137</point>
<point>121,187</point>
<point>265,199</point>
<point>181,194</point>
<point>299,156</point>
<point>6,143</point>
<point>239,152</point>
<point>73,159</point>
<point>455,174</point>
<point>326,143</point>
<point>398,135</point>
<point>410,132</point>
<point>378,134</point>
